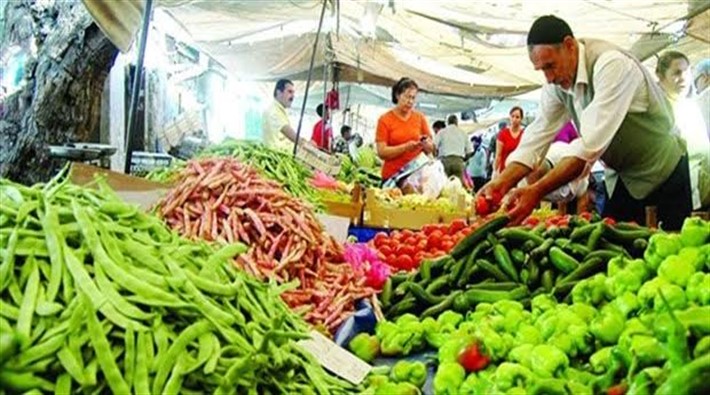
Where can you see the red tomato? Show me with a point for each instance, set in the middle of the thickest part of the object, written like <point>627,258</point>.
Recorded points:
<point>472,359</point>
<point>456,225</point>
<point>531,222</point>
<point>405,262</point>
<point>379,238</point>
<point>434,239</point>
<point>406,249</point>
<point>410,241</point>
<point>619,389</point>
<point>482,206</point>
<point>419,256</point>
<point>407,233</point>
<point>586,215</point>
<point>421,245</point>
<point>392,260</point>
<point>385,249</point>
<point>447,245</point>
<point>609,221</point>
<point>427,229</point>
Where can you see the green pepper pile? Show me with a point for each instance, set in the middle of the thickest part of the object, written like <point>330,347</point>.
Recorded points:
<point>640,326</point>
<point>98,297</point>
<point>498,263</point>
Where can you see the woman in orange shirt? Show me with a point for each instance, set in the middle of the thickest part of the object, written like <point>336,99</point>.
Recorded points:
<point>402,135</point>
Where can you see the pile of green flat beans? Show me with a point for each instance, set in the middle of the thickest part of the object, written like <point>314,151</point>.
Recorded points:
<point>96,296</point>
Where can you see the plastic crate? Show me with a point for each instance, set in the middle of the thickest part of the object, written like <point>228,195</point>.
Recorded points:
<point>365,234</point>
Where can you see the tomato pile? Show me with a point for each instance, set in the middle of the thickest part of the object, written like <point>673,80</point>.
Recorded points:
<point>405,249</point>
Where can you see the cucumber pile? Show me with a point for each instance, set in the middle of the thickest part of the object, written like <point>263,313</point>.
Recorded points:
<point>496,262</point>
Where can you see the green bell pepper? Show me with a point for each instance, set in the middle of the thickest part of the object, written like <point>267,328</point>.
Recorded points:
<point>673,294</point>
<point>584,311</point>
<point>629,278</point>
<point>449,377</point>
<point>660,246</point>
<point>702,347</point>
<point>676,270</point>
<point>695,255</point>
<point>528,334</point>
<point>607,327</point>
<point>626,303</point>
<point>548,361</point>
<point>476,384</point>
<point>601,360</point>
<point>522,354</point>
<point>450,349</point>
<point>591,290</point>
<point>698,289</point>
<point>649,290</point>
<point>449,320</point>
<point>365,347</point>
<point>542,303</point>
<point>695,232</point>
<point>509,375</point>
<point>391,388</point>
<point>413,372</point>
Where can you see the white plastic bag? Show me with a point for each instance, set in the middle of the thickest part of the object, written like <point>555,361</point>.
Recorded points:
<point>428,180</point>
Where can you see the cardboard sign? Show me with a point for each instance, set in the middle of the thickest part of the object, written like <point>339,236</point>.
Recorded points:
<point>133,190</point>
<point>335,358</point>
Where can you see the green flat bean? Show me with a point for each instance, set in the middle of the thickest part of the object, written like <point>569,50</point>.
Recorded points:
<point>175,381</point>
<point>166,360</point>
<point>63,385</point>
<point>27,308</point>
<point>102,349</point>
<point>8,310</point>
<point>15,292</point>
<point>118,301</point>
<point>125,279</point>
<point>40,351</point>
<point>21,382</point>
<point>8,262</point>
<point>129,358</point>
<point>73,365</point>
<point>141,382</point>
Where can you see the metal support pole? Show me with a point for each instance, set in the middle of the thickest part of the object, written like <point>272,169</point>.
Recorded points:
<point>137,79</point>
<point>308,81</point>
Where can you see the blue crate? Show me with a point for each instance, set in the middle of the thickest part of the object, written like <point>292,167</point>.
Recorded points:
<point>363,234</point>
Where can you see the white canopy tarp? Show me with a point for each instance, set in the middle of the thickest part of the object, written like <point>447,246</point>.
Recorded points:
<point>465,48</point>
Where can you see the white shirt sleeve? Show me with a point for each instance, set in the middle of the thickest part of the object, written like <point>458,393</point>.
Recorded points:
<point>539,134</point>
<point>617,81</point>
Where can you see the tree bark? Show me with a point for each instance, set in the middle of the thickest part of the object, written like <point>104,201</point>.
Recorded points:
<point>60,101</point>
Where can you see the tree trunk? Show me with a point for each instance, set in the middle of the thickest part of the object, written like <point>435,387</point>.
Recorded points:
<point>69,59</point>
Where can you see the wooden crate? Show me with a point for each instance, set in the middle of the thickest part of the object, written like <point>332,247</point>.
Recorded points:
<point>351,209</point>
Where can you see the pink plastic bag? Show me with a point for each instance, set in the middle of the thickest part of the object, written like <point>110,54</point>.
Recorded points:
<point>364,260</point>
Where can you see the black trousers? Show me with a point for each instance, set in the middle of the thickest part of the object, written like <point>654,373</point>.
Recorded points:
<point>672,200</point>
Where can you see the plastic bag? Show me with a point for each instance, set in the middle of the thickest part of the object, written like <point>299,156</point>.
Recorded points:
<point>429,180</point>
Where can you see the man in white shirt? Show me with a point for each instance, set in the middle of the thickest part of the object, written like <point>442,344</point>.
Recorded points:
<point>622,118</point>
<point>453,148</point>
<point>275,125</point>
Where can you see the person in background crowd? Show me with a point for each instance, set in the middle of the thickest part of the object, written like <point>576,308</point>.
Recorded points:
<point>453,148</point>
<point>322,131</point>
<point>346,139</point>
<point>402,135</point>
<point>701,80</point>
<point>509,138</point>
<point>276,127</point>
<point>493,141</point>
<point>437,126</point>
<point>673,75</point>
<point>476,165</point>
<point>622,117</point>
